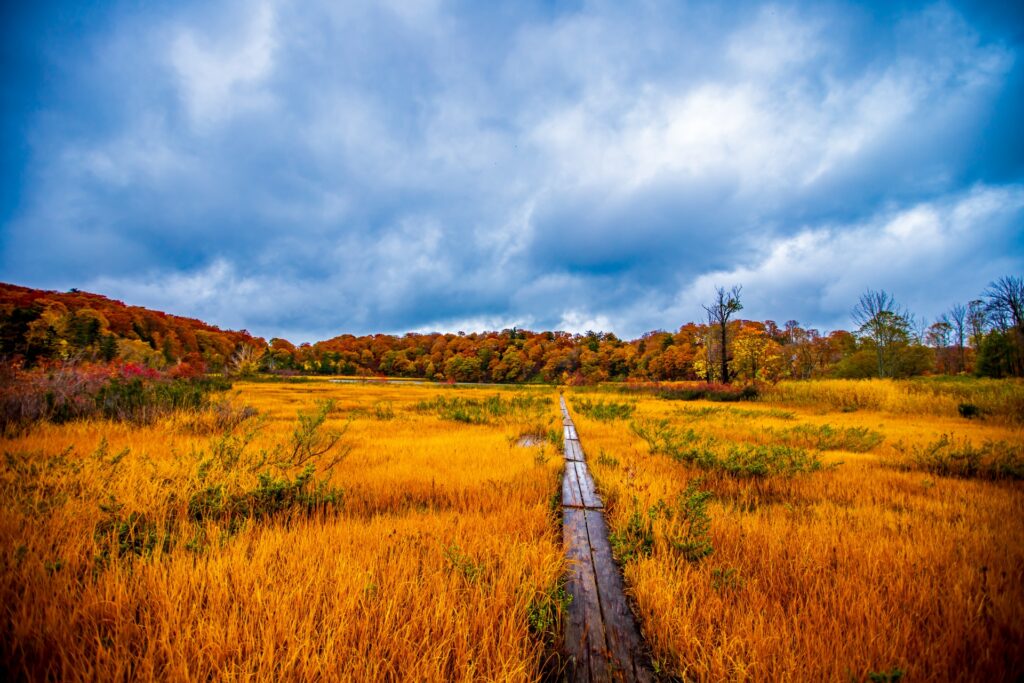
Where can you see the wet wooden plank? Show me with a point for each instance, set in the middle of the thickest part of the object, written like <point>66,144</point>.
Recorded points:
<point>572,496</point>
<point>602,638</point>
<point>573,451</point>
<point>585,638</point>
<point>588,492</point>
<point>622,633</point>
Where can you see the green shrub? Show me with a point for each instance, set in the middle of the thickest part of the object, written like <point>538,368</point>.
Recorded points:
<point>134,535</point>
<point>607,460</point>
<point>758,461</point>
<point>602,410</point>
<point>736,460</point>
<point>708,392</point>
<point>892,676</point>
<point>952,457</point>
<point>140,400</point>
<point>310,440</point>
<point>663,438</point>
<point>384,411</point>
<point>687,527</point>
<point>485,411</point>
<point>544,613</point>
<point>726,580</point>
<point>270,497</point>
<point>636,539</point>
<point>829,438</point>
<point>556,437</point>
<point>968,410</point>
<point>294,489</point>
<point>462,563</point>
<point>691,533</point>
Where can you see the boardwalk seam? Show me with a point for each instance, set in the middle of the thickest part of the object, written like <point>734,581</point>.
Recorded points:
<point>618,652</point>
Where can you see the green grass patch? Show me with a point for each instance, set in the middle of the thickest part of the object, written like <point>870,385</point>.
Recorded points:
<point>486,410</point>
<point>952,457</point>
<point>602,410</point>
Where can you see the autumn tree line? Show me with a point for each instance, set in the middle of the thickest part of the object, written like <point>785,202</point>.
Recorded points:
<point>983,337</point>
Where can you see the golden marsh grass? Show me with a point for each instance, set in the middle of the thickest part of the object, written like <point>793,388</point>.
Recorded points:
<point>442,557</point>
<point>855,570</point>
<point>445,547</point>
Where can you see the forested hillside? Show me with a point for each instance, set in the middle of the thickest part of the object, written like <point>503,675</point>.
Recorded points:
<point>38,326</point>
<point>984,337</point>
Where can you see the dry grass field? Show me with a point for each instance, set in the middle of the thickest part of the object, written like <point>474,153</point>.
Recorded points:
<point>429,551</point>
<point>845,543</point>
<point>830,531</point>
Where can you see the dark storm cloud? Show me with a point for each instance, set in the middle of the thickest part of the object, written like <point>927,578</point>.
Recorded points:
<point>303,170</point>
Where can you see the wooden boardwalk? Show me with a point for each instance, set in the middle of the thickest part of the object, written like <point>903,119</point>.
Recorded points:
<point>602,640</point>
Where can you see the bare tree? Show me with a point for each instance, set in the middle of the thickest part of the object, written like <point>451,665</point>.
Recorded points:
<point>1006,300</point>
<point>957,318</point>
<point>719,313</point>
<point>977,321</point>
<point>246,359</point>
<point>882,321</point>
<point>1005,307</point>
<point>939,332</point>
<point>938,337</point>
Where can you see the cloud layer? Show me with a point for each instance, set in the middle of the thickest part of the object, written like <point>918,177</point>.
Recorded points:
<point>303,170</point>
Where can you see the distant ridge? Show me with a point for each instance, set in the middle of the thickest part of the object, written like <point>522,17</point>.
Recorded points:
<point>37,323</point>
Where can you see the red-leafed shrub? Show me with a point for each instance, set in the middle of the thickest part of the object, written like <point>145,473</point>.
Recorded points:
<point>66,392</point>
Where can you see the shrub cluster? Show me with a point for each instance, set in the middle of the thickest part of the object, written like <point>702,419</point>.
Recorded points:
<point>949,396</point>
<point>735,460</point>
<point>602,410</point>
<point>270,497</point>
<point>828,438</point>
<point>234,484</point>
<point>485,411</point>
<point>952,457</point>
<point>685,527</point>
<point>124,392</point>
<point>135,534</point>
<point>708,392</point>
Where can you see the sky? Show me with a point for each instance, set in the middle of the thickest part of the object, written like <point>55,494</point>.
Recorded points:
<point>306,169</point>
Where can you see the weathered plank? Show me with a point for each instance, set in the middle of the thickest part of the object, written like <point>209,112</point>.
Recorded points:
<point>584,634</point>
<point>621,631</point>
<point>573,450</point>
<point>588,491</point>
<point>572,496</point>
<point>602,640</point>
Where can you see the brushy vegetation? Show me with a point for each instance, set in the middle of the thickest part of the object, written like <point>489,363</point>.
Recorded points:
<point>949,396</point>
<point>828,438</point>
<point>384,411</point>
<point>695,391</point>
<point>703,412</point>
<point>684,527</point>
<point>126,393</point>
<point>286,481</point>
<point>545,611</point>
<point>486,410</point>
<point>742,460</point>
<point>603,410</point>
<point>949,456</point>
